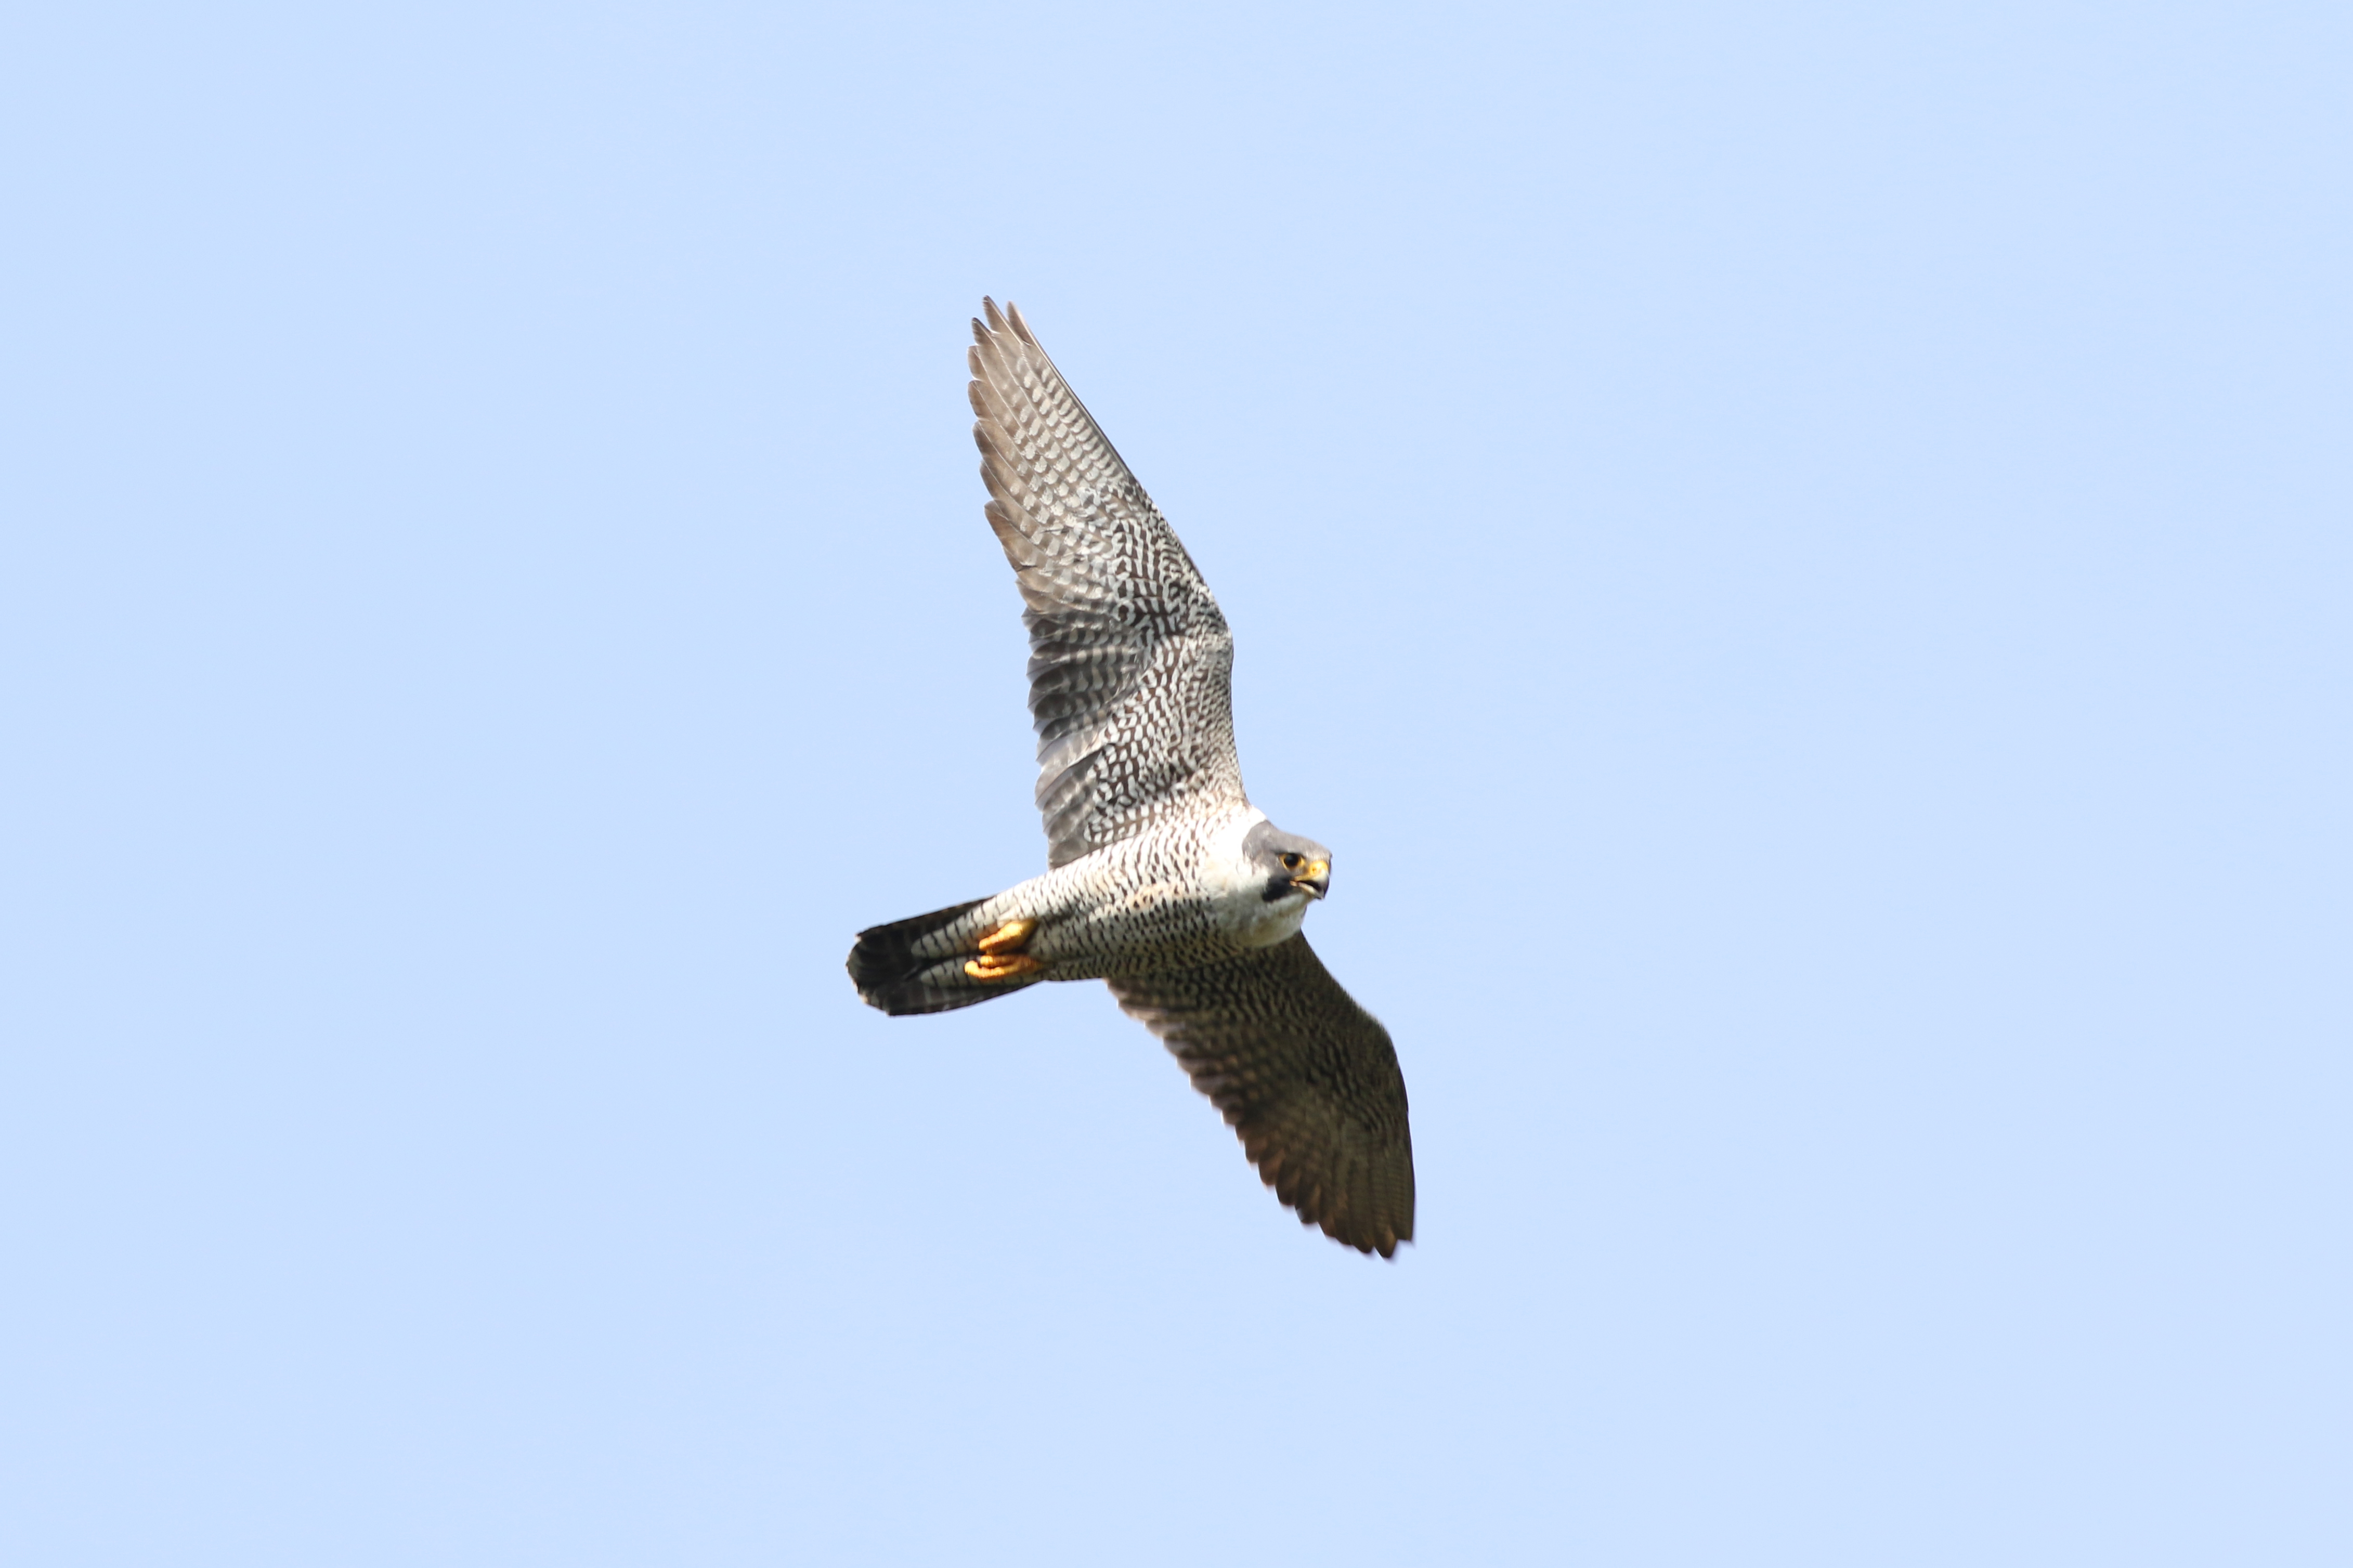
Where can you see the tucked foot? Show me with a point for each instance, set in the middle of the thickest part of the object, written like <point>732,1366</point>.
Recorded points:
<point>1001,957</point>
<point>1008,937</point>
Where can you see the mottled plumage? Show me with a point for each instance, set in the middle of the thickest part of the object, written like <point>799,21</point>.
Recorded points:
<point>1129,661</point>
<point>1306,1077</point>
<point>1162,878</point>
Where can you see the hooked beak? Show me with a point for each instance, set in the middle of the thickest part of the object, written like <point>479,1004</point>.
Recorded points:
<point>1315,880</point>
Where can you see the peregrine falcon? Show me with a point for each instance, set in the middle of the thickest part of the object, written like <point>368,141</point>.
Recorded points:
<point>1162,880</point>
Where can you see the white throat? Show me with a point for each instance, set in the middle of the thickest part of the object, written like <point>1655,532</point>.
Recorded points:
<point>1237,887</point>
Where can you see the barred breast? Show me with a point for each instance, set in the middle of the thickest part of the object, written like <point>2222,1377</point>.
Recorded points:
<point>1175,895</point>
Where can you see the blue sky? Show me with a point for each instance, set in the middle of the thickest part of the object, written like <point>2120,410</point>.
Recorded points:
<point>1799,555</point>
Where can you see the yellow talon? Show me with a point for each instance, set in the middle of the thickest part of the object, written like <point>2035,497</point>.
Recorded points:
<point>1008,937</point>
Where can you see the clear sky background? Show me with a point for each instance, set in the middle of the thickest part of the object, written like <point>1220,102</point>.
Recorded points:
<point>1801,556</point>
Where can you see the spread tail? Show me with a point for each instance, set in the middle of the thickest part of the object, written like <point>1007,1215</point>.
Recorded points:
<point>924,964</point>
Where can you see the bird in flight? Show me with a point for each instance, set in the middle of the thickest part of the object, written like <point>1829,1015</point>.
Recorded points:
<point>1162,880</point>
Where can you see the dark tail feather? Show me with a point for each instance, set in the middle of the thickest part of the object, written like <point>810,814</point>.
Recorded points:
<point>896,970</point>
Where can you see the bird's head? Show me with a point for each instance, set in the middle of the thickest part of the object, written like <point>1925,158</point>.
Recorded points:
<point>1291,864</point>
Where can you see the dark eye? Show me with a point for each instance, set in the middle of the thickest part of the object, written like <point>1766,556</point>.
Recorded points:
<point>1293,862</point>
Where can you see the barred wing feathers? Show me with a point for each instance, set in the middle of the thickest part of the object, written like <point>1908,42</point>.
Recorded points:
<point>1306,1077</point>
<point>1129,660</point>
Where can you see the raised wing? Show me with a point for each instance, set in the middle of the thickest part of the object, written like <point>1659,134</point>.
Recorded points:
<point>1130,662</point>
<point>1307,1077</point>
